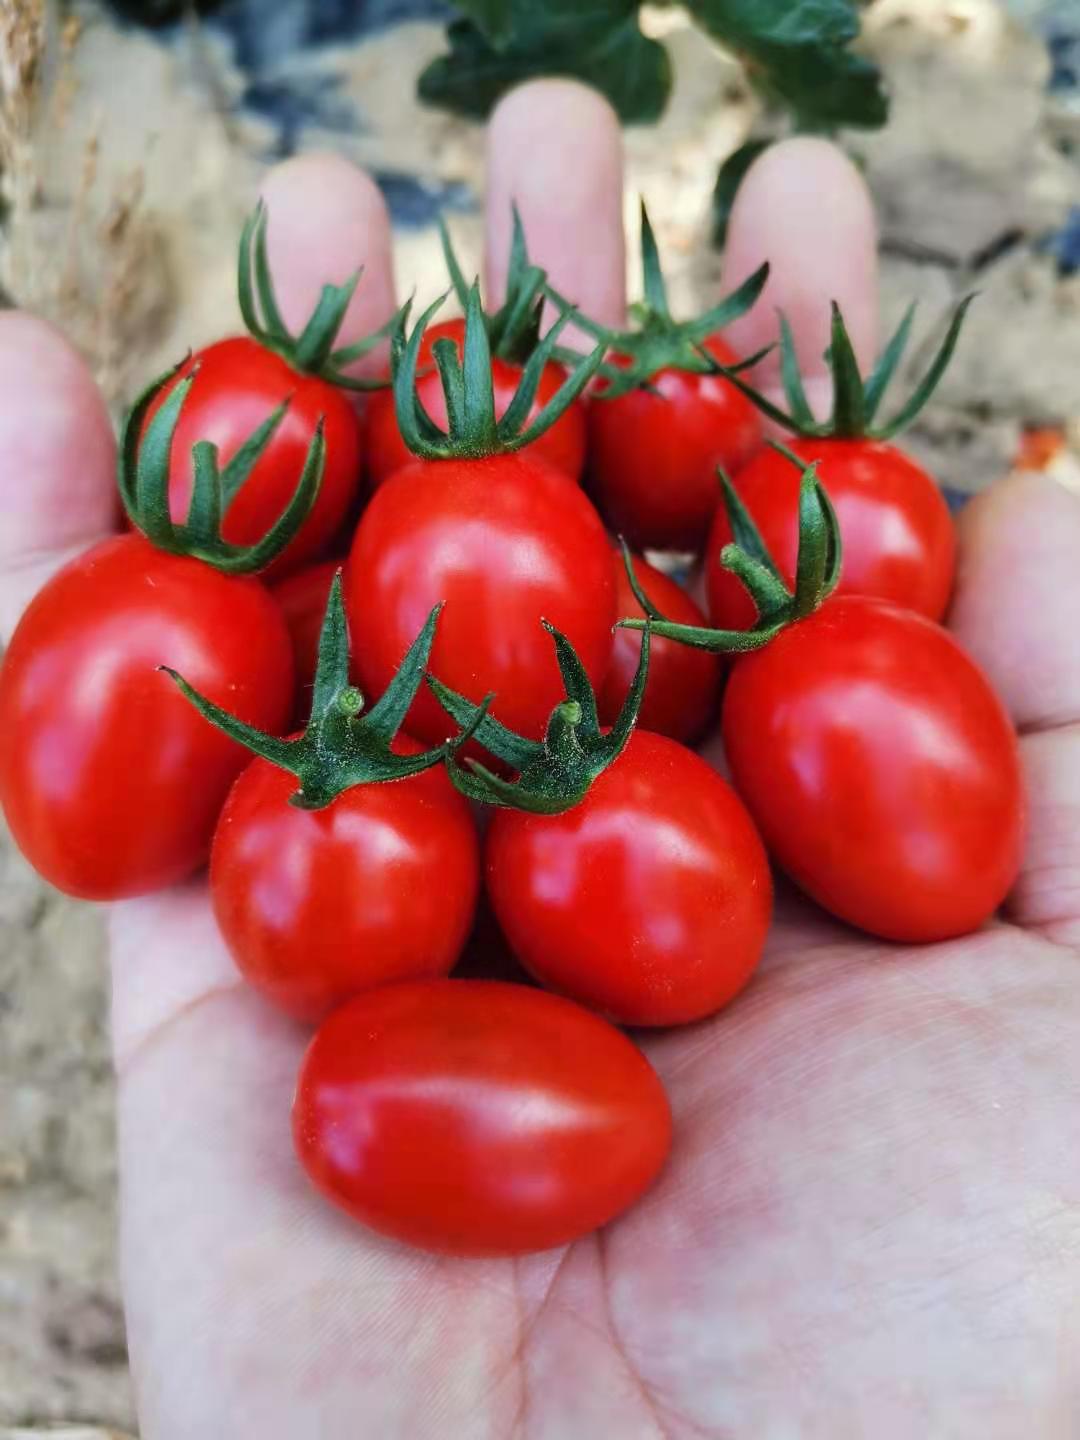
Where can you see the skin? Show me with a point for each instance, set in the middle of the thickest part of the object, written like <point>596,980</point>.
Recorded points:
<point>869,1223</point>
<point>898,536</point>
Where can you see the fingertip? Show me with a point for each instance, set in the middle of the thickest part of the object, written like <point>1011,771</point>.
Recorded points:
<point>554,147</point>
<point>325,219</point>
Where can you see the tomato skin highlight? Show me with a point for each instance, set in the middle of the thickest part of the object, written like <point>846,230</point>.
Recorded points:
<point>318,905</point>
<point>474,1117</point>
<point>237,386</point>
<point>649,901</point>
<point>898,536</point>
<point>110,780</point>
<point>562,446</point>
<point>881,769</point>
<point>683,685</point>
<point>653,457</point>
<point>506,542</point>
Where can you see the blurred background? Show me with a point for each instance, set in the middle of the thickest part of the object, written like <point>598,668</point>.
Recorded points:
<point>132,138</point>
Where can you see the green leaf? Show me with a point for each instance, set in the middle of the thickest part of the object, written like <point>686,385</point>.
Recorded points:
<point>502,44</point>
<point>797,53</point>
<point>728,179</point>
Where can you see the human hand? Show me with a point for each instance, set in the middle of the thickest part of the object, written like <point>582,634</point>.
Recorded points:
<point>868,1224</point>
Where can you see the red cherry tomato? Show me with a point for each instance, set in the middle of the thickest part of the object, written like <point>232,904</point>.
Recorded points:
<point>505,542</point>
<point>899,540</point>
<point>302,598</point>
<point>880,768</point>
<point>563,445</point>
<point>474,1117</point>
<point>653,456</point>
<point>238,385</point>
<point>111,782</point>
<point>317,905</point>
<point>683,684</point>
<point>649,900</point>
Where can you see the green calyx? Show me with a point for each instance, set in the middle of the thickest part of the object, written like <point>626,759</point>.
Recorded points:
<point>660,342</point>
<point>555,773</point>
<point>514,329</point>
<point>817,571</point>
<point>856,400</point>
<point>472,429</point>
<point>342,746</point>
<point>143,481</point>
<point>312,351</point>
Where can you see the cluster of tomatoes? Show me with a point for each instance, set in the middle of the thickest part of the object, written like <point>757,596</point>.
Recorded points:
<point>464,699</point>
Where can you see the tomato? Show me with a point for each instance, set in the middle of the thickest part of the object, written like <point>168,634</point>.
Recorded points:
<point>563,445</point>
<point>317,905</point>
<point>683,684</point>
<point>110,781</point>
<point>898,535</point>
<point>302,598</point>
<point>238,385</point>
<point>649,900</point>
<point>474,1117</point>
<point>880,768</point>
<point>653,454</point>
<point>505,541</point>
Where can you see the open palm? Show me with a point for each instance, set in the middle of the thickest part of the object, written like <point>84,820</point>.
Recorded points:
<point>870,1225</point>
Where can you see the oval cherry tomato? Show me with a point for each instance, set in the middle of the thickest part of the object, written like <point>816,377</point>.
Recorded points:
<point>649,900</point>
<point>563,445</point>
<point>899,539</point>
<point>881,769</point>
<point>653,456</point>
<point>238,384</point>
<point>317,905</point>
<point>505,542</point>
<point>683,684</point>
<point>474,1117</point>
<point>302,598</point>
<point>110,780</point>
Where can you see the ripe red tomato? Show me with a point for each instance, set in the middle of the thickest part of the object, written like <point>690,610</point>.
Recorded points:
<point>474,1117</point>
<point>899,540</point>
<point>110,781</point>
<point>563,445</point>
<point>238,385</point>
<point>317,905</point>
<point>302,598</point>
<point>653,456</point>
<point>683,684</point>
<point>505,541</point>
<point>881,769</point>
<point>649,900</point>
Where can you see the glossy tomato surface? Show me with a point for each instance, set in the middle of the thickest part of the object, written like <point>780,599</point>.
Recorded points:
<point>237,386</point>
<point>317,905</point>
<point>881,769</point>
<point>653,454</point>
<point>302,598</point>
<point>563,445</point>
<point>898,536</point>
<point>648,901</point>
<point>505,542</point>
<point>110,780</point>
<point>683,684</point>
<point>475,1117</point>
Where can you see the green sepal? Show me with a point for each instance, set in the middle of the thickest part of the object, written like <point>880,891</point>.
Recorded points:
<point>313,351</point>
<point>856,399</point>
<point>661,342</point>
<point>143,464</point>
<point>342,746</point>
<point>779,605</point>
<point>555,773</point>
<point>472,428</point>
<point>513,329</point>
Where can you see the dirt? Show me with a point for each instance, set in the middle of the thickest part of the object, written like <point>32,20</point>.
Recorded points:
<point>128,169</point>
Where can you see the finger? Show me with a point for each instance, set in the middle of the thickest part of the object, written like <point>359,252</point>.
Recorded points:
<point>326,218</point>
<point>57,490</point>
<point>1017,610</point>
<point>554,148</point>
<point>804,208</point>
